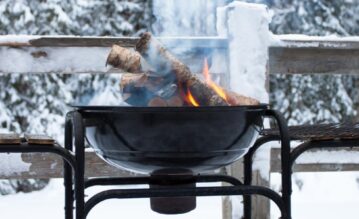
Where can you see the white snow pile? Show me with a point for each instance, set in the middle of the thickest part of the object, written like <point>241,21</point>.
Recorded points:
<point>248,32</point>
<point>249,38</point>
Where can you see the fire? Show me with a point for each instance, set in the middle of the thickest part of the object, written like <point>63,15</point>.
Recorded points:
<point>211,83</point>
<point>191,99</point>
<point>188,96</point>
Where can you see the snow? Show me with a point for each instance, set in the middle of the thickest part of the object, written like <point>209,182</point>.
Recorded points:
<point>59,60</point>
<point>52,197</point>
<point>249,37</point>
<point>315,195</point>
<point>107,97</point>
<point>246,26</point>
<point>330,195</point>
<point>8,39</point>
<point>176,18</point>
<point>332,41</point>
<point>12,163</point>
<point>338,157</point>
<point>302,37</point>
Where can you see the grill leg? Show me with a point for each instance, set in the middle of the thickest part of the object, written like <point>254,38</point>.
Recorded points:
<point>248,161</point>
<point>80,160</point>
<point>285,160</point>
<point>68,183</point>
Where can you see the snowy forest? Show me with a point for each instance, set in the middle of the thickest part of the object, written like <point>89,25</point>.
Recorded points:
<point>38,103</point>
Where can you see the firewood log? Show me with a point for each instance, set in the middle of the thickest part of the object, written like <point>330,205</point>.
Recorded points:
<point>144,89</point>
<point>140,89</point>
<point>165,63</point>
<point>125,59</point>
<point>147,90</point>
<point>175,101</point>
<point>235,99</point>
<point>157,102</point>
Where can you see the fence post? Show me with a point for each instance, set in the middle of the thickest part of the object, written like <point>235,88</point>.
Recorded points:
<point>248,42</point>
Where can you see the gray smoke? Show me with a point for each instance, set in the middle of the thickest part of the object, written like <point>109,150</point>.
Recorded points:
<point>186,18</point>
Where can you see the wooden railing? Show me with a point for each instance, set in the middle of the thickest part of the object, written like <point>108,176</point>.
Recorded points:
<point>315,55</point>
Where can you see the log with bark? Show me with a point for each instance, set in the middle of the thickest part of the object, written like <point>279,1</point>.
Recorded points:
<point>147,90</point>
<point>125,59</point>
<point>165,63</point>
<point>150,88</point>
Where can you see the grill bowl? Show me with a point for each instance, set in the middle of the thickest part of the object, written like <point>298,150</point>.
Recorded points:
<point>147,139</point>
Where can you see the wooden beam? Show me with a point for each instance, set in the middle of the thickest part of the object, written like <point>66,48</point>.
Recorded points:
<point>47,165</point>
<point>313,61</point>
<point>70,60</point>
<point>77,41</point>
<point>330,166</point>
<point>87,54</point>
<point>314,55</point>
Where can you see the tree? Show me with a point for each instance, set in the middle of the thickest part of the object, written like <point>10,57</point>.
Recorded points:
<point>38,103</point>
<point>312,99</point>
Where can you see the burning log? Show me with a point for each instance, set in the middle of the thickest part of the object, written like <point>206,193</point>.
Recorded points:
<point>157,101</point>
<point>172,83</point>
<point>235,99</point>
<point>165,63</point>
<point>148,90</point>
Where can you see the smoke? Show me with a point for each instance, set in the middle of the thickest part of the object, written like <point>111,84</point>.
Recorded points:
<point>190,18</point>
<point>186,18</point>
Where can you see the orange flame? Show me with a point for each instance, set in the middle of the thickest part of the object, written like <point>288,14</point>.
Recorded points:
<point>191,99</point>
<point>211,83</point>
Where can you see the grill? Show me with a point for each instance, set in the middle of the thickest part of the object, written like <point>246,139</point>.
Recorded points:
<point>145,139</point>
<point>172,141</point>
<point>175,147</point>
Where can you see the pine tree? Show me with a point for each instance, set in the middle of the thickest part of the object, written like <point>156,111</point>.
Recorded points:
<point>38,103</point>
<point>312,99</point>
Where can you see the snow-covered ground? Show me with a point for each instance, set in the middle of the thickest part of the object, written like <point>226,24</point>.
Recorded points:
<point>330,195</point>
<point>322,195</point>
<point>49,203</point>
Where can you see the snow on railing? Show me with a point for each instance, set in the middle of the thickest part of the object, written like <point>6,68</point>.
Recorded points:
<point>288,54</point>
<point>71,54</point>
<point>298,54</point>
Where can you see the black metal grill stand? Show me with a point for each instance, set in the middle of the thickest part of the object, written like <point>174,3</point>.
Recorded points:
<point>74,159</point>
<point>75,132</point>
